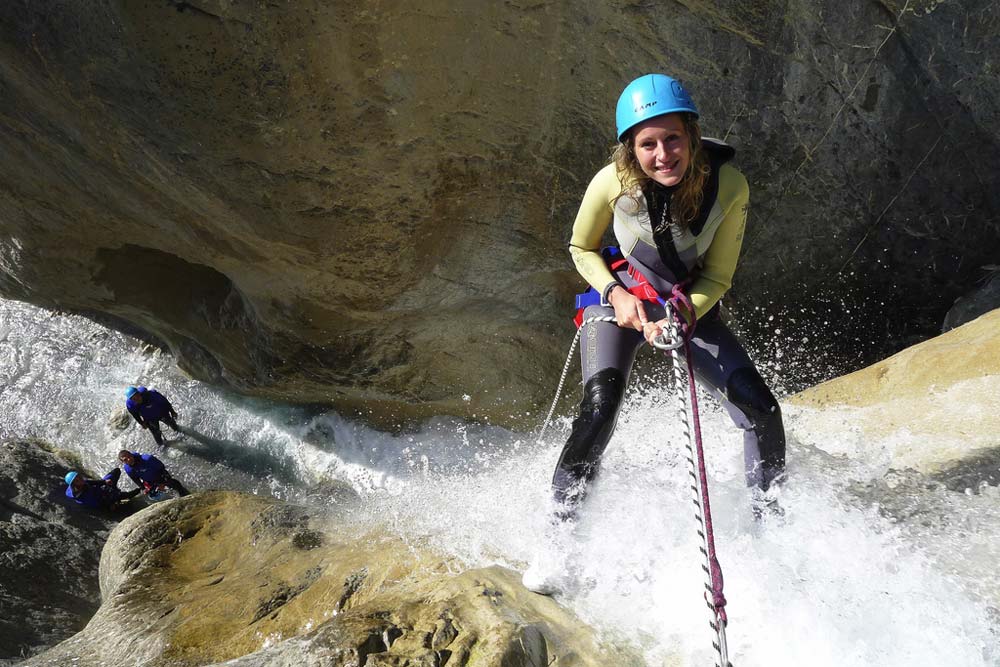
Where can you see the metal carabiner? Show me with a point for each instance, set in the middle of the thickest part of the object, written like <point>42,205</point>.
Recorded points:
<point>662,343</point>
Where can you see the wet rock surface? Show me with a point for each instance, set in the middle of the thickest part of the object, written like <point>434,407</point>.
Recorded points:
<point>49,550</point>
<point>928,415</point>
<point>927,400</point>
<point>978,302</point>
<point>222,576</point>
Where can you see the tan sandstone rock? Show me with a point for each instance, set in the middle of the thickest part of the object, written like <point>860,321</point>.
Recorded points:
<point>927,401</point>
<point>220,576</point>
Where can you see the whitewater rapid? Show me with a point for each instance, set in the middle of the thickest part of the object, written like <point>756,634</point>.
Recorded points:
<point>843,579</point>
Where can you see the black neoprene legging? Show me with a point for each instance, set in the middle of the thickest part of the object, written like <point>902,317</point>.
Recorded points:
<point>721,364</point>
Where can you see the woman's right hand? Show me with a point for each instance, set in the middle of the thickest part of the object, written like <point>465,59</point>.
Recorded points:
<point>628,308</point>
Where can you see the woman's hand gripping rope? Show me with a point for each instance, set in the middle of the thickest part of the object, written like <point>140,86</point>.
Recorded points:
<point>680,314</point>
<point>629,311</point>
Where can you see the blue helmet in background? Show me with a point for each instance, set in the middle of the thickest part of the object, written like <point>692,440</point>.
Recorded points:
<point>649,96</point>
<point>130,392</point>
<point>70,476</point>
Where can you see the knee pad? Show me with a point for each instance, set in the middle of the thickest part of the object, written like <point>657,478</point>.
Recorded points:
<point>602,395</point>
<point>592,428</point>
<point>747,390</point>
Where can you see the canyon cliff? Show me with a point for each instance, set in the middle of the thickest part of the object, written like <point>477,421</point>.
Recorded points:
<point>368,206</point>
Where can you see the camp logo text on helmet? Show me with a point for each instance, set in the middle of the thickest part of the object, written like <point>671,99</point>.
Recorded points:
<point>649,96</point>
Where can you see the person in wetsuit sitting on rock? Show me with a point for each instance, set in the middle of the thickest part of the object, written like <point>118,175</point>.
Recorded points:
<point>100,494</point>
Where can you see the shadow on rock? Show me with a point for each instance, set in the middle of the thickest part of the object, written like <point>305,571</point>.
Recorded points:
<point>51,549</point>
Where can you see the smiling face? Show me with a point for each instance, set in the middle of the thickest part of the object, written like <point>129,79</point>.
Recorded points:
<point>663,148</point>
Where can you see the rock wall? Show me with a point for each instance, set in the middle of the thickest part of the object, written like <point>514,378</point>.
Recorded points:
<point>49,550</point>
<point>368,206</point>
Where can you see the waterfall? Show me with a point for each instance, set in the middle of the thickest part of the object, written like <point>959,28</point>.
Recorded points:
<point>869,566</point>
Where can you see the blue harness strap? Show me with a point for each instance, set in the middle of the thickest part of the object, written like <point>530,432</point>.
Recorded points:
<point>592,297</point>
<point>616,260</point>
<point>589,298</point>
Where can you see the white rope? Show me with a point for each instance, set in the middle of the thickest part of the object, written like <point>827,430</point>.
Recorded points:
<point>677,384</point>
<point>671,345</point>
<point>565,371</point>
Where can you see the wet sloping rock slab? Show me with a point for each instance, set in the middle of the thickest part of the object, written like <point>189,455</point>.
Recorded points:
<point>929,417</point>
<point>225,576</point>
<point>926,403</point>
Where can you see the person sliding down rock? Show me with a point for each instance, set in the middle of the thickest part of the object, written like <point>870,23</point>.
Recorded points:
<point>679,210</point>
<point>149,473</point>
<point>101,494</point>
<point>149,407</point>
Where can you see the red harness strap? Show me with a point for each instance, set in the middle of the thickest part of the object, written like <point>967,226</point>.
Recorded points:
<point>642,289</point>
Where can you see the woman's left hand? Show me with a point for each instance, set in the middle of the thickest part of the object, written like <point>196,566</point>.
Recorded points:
<point>651,330</point>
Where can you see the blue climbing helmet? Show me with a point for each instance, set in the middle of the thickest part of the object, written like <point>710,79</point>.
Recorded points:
<point>130,391</point>
<point>70,476</point>
<point>649,96</point>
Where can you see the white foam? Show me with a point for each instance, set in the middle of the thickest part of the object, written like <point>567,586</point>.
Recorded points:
<point>839,582</point>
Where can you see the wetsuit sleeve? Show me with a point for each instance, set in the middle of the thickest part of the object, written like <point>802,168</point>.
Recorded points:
<point>130,471</point>
<point>716,275</point>
<point>134,411</point>
<point>591,222</point>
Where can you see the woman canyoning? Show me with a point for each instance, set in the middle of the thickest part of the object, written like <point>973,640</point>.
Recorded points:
<point>678,209</point>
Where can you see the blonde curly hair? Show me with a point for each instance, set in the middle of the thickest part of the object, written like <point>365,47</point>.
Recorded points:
<point>686,201</point>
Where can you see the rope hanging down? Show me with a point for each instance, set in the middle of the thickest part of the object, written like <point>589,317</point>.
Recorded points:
<point>714,596</point>
<point>565,371</point>
<point>696,458</point>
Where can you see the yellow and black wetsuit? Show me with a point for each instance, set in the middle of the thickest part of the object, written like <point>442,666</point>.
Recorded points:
<point>706,253</point>
<point>709,248</point>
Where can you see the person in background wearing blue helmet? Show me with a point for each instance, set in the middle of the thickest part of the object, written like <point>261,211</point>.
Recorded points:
<point>149,473</point>
<point>678,210</point>
<point>101,494</point>
<point>149,407</point>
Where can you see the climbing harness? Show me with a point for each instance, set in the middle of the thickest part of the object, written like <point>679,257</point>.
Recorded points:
<point>680,336</point>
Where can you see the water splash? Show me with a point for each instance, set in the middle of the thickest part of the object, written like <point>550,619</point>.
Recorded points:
<point>868,566</point>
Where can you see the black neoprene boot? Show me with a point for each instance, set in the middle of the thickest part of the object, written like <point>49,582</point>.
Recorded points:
<point>592,430</point>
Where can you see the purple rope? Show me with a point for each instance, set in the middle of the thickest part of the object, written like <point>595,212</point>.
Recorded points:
<point>718,603</point>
